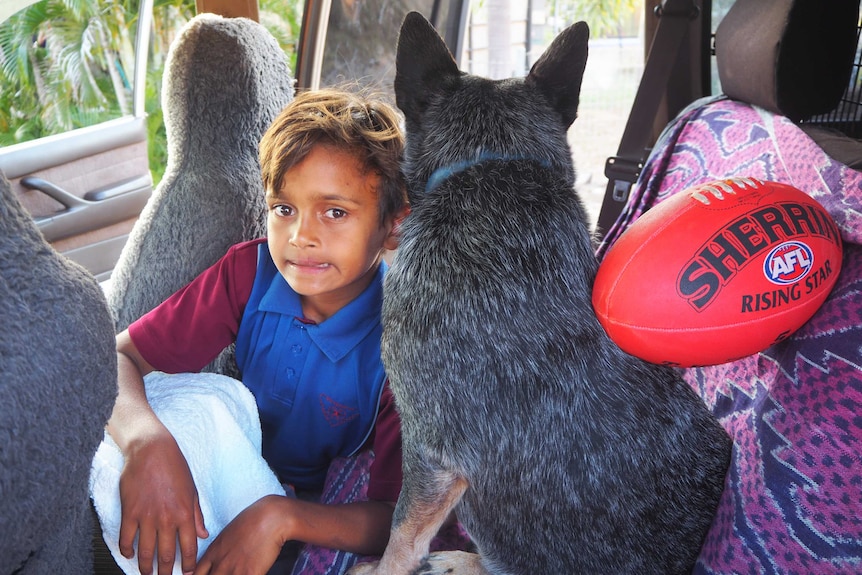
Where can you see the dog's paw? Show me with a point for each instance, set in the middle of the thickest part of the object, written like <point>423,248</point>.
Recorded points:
<point>363,569</point>
<point>451,563</point>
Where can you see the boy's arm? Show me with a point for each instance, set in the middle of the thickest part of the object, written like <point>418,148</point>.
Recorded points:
<point>253,540</point>
<point>158,497</point>
<point>255,537</point>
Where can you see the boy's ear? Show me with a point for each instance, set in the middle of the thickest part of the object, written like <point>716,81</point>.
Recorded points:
<point>393,237</point>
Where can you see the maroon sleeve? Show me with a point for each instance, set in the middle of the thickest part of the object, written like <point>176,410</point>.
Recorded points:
<point>385,481</point>
<point>190,328</point>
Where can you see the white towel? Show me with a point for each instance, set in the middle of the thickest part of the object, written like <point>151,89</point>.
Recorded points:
<point>215,422</point>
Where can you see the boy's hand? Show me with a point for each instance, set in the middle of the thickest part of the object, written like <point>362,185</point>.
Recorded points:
<point>248,545</point>
<point>160,504</point>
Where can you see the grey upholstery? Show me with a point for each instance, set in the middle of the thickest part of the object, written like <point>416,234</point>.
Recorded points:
<point>791,57</point>
<point>58,381</point>
<point>225,81</point>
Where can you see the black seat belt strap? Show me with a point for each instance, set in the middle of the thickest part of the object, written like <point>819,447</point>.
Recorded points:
<point>623,169</point>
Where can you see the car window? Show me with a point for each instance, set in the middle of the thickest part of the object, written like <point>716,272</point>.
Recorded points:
<point>73,137</point>
<point>500,39</point>
<point>719,10</point>
<point>361,39</point>
<point>70,65</point>
<point>65,66</point>
<point>82,138</point>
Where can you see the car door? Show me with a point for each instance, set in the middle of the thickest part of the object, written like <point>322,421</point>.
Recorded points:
<point>86,186</point>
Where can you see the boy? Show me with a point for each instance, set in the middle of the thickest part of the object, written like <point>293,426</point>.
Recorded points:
<point>303,307</point>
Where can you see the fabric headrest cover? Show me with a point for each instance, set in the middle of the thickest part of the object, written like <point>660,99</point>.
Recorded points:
<point>792,57</point>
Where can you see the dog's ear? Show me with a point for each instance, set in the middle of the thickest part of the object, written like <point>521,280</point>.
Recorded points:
<point>423,63</point>
<point>559,71</point>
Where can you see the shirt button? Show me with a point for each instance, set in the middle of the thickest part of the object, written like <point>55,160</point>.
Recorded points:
<point>296,349</point>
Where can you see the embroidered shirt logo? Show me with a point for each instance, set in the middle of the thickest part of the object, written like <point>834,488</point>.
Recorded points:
<point>335,413</point>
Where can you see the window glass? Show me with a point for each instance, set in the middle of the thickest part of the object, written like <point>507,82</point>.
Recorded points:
<point>68,65</point>
<point>65,65</point>
<point>719,9</point>
<point>283,19</point>
<point>361,40</point>
<point>505,37</point>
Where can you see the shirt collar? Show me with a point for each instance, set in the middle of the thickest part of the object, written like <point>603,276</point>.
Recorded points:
<point>339,334</point>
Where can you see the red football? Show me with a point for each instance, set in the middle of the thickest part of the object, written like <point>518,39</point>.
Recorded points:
<point>718,272</point>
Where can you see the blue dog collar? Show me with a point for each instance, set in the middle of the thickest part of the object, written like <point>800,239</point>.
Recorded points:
<point>446,172</point>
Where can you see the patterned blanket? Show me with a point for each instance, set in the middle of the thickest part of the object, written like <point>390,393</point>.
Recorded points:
<point>793,495</point>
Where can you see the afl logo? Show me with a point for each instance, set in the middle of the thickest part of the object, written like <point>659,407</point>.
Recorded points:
<point>788,263</point>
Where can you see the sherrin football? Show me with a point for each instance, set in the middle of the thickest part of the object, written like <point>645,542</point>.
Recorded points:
<point>718,272</point>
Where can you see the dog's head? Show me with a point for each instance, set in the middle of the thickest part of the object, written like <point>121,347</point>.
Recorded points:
<point>453,117</point>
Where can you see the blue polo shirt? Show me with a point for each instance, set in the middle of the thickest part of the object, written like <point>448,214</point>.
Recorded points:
<point>317,386</point>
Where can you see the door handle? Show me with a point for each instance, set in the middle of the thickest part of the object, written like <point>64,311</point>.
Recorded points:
<point>98,208</point>
<point>69,201</point>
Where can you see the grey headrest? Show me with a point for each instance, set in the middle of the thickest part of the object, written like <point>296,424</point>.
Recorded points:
<point>225,81</point>
<point>791,57</point>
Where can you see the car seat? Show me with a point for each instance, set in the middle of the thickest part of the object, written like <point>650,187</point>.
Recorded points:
<point>225,80</point>
<point>794,488</point>
<point>59,381</point>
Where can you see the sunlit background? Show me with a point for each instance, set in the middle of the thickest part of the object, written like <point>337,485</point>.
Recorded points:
<point>66,65</point>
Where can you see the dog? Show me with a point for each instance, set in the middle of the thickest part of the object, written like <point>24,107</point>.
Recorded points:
<point>560,453</point>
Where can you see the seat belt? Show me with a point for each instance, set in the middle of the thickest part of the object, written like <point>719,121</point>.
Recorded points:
<point>623,169</point>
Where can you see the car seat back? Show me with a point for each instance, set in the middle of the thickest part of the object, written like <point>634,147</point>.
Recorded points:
<point>225,80</point>
<point>791,57</point>
<point>59,381</point>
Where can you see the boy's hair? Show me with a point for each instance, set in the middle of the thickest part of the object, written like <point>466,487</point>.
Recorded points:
<point>366,127</point>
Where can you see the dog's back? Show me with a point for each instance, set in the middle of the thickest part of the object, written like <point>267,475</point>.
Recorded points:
<point>578,458</point>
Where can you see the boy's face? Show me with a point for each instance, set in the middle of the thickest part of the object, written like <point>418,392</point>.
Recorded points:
<point>324,230</point>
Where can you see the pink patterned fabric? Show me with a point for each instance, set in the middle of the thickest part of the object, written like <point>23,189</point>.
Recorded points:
<point>793,495</point>
<point>718,138</point>
<point>346,481</point>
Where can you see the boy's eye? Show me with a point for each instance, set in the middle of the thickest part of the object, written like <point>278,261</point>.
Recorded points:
<point>282,210</point>
<point>336,213</point>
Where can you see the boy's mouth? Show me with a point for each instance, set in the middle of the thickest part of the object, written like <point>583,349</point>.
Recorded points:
<point>308,265</point>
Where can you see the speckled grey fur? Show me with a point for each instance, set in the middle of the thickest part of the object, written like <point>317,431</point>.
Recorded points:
<point>577,457</point>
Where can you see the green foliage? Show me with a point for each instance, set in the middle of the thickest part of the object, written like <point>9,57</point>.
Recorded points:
<point>157,144</point>
<point>283,19</point>
<point>67,64</point>
<point>607,18</point>
<point>169,16</point>
<point>62,68</point>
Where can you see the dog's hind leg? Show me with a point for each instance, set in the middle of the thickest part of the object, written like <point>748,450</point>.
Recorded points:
<point>428,495</point>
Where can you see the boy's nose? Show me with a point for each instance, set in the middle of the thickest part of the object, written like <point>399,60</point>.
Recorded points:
<point>302,233</point>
